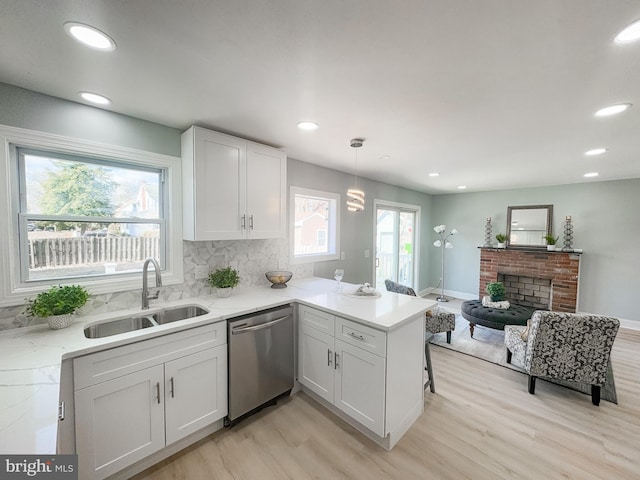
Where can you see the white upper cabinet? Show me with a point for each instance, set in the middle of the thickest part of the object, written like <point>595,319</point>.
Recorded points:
<point>232,188</point>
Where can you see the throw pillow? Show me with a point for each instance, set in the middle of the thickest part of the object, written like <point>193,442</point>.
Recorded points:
<point>525,333</point>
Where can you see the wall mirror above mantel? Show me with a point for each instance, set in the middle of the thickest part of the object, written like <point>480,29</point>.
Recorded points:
<point>527,225</point>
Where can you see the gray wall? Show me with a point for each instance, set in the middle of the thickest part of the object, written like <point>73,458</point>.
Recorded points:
<point>606,227</point>
<point>34,111</point>
<point>356,232</point>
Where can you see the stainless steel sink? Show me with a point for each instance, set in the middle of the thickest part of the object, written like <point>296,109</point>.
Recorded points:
<point>114,327</point>
<point>169,315</point>
<point>131,324</point>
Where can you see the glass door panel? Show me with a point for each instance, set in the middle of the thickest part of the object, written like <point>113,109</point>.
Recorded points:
<point>395,240</point>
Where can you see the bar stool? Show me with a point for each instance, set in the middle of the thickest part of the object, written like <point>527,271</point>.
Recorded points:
<point>428,336</point>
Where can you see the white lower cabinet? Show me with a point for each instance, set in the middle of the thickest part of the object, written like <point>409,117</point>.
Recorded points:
<point>349,377</point>
<point>122,420</point>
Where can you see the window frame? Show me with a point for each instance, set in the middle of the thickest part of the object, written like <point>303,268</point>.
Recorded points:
<point>14,290</point>
<point>333,228</point>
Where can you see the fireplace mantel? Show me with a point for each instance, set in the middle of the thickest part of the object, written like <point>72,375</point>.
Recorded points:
<point>562,268</point>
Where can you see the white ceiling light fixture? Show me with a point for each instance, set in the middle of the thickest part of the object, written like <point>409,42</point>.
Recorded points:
<point>90,36</point>
<point>462,187</point>
<point>434,174</point>
<point>307,126</point>
<point>355,196</point>
<point>95,98</point>
<point>629,34</point>
<point>591,174</point>
<point>612,110</point>
<point>595,151</point>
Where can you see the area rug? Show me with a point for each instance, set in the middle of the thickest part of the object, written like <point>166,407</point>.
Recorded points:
<point>488,344</point>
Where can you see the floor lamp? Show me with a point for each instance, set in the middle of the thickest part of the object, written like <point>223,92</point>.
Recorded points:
<point>443,243</point>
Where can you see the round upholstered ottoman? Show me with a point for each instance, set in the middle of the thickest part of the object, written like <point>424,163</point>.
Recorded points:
<point>477,314</point>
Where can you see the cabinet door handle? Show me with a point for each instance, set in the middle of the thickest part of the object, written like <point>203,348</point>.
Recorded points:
<point>61,411</point>
<point>356,336</point>
<point>158,392</point>
<point>336,364</point>
<point>251,222</point>
<point>171,387</point>
<point>329,358</point>
<point>243,222</point>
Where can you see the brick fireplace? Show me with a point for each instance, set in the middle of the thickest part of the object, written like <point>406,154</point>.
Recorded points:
<point>536,278</point>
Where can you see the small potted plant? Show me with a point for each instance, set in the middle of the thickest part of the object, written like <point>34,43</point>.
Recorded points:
<point>502,238</point>
<point>496,291</point>
<point>58,304</point>
<point>224,279</point>
<point>551,242</point>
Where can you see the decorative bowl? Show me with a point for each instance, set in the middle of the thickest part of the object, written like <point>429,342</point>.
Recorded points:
<point>279,278</point>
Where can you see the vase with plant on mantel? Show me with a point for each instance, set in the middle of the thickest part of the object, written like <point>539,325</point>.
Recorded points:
<point>224,280</point>
<point>551,242</point>
<point>58,305</point>
<point>501,238</point>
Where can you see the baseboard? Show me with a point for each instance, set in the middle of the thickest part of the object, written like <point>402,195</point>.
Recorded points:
<point>448,293</point>
<point>629,324</point>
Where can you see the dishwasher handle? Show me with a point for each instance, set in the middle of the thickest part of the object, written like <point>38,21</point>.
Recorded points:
<point>238,331</point>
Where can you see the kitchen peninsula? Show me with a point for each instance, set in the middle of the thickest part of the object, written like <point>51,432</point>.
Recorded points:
<point>32,357</point>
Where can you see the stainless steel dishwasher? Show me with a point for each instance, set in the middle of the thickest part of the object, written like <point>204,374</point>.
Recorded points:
<point>260,360</point>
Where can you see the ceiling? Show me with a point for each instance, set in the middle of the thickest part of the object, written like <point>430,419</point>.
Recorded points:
<point>492,95</point>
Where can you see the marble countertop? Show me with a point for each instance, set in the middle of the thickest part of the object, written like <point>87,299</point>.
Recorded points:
<point>31,357</point>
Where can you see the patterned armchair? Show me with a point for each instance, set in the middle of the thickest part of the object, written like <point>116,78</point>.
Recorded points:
<point>565,346</point>
<point>435,322</point>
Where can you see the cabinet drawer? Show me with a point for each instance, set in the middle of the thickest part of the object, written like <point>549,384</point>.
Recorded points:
<point>367,338</point>
<point>115,362</point>
<point>317,319</point>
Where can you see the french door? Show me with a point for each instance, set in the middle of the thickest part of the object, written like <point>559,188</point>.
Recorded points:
<point>396,236</point>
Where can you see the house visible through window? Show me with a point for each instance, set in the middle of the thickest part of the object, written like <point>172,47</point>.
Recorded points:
<point>82,217</point>
<point>315,225</point>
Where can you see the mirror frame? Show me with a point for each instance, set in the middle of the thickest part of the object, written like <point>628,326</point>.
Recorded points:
<point>548,208</point>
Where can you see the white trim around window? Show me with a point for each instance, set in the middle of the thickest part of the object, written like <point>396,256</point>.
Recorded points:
<point>332,229</point>
<point>12,291</point>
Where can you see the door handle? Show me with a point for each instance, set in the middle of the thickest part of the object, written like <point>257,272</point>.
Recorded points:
<point>377,262</point>
<point>356,336</point>
<point>158,392</point>
<point>61,411</point>
<point>336,364</point>
<point>243,222</point>
<point>171,387</point>
<point>329,358</point>
<point>237,331</point>
<point>250,222</point>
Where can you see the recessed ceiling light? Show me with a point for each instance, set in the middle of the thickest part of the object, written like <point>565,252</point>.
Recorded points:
<point>434,174</point>
<point>591,174</point>
<point>595,151</point>
<point>307,125</point>
<point>89,36</point>
<point>461,187</point>
<point>612,110</point>
<point>95,98</point>
<point>629,34</point>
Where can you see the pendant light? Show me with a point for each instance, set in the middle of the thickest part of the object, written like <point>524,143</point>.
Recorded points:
<point>355,196</point>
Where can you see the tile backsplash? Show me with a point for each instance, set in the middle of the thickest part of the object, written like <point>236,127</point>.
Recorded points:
<point>252,258</point>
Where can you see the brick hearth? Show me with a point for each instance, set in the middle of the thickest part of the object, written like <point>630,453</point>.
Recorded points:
<point>560,268</point>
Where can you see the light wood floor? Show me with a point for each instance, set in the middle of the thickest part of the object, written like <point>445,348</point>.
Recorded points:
<point>480,424</point>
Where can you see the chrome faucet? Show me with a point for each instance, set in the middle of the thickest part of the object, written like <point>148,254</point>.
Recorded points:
<point>145,287</point>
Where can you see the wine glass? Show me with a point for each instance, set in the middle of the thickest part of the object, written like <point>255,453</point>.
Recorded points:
<point>338,274</point>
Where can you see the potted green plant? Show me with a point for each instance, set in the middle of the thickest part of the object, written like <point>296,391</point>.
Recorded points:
<point>501,238</point>
<point>224,279</point>
<point>496,291</point>
<point>551,242</point>
<point>58,304</point>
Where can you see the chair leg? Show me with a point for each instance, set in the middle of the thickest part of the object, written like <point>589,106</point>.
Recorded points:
<point>508,356</point>
<point>595,395</point>
<point>449,336</point>
<point>532,384</point>
<point>427,354</point>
